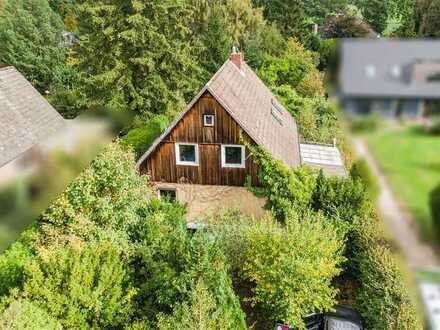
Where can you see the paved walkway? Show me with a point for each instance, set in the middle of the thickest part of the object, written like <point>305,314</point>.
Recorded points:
<point>398,221</point>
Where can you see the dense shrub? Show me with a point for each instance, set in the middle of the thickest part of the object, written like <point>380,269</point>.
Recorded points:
<point>169,263</point>
<point>434,203</point>
<point>292,268</point>
<point>24,314</point>
<point>296,68</point>
<point>344,25</point>
<point>367,124</point>
<point>381,296</point>
<point>288,268</point>
<point>361,171</point>
<point>200,312</point>
<point>316,117</point>
<point>101,203</point>
<point>82,286</point>
<point>12,263</point>
<point>140,138</point>
<point>341,198</point>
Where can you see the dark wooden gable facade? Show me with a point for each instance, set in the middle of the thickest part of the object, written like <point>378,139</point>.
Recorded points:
<point>161,165</point>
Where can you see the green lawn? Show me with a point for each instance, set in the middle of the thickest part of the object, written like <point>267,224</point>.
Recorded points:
<point>428,276</point>
<point>411,160</point>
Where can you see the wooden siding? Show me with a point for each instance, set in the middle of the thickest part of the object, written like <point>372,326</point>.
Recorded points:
<point>161,164</point>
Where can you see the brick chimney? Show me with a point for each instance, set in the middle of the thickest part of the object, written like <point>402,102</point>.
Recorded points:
<point>236,57</point>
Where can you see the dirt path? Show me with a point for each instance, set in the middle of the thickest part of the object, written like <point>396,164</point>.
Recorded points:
<point>398,221</point>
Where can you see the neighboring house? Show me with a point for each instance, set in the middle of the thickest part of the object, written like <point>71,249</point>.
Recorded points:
<point>395,78</point>
<point>31,129</point>
<point>26,118</point>
<point>201,160</point>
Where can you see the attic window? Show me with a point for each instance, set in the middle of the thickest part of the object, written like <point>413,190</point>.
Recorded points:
<point>208,120</point>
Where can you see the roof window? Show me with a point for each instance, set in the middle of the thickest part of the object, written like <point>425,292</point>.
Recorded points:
<point>370,71</point>
<point>277,112</point>
<point>396,71</point>
<point>277,106</point>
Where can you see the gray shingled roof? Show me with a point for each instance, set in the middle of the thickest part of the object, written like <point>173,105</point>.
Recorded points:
<point>245,97</point>
<point>26,118</point>
<point>388,68</point>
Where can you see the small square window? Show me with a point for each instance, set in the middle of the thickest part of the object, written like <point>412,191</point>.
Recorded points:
<point>187,154</point>
<point>208,120</point>
<point>168,194</point>
<point>233,156</point>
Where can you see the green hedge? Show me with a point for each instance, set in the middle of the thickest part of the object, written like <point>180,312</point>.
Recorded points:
<point>434,203</point>
<point>382,299</point>
<point>361,171</point>
<point>366,124</point>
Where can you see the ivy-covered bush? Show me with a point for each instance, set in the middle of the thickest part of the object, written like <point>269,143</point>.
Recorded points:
<point>361,171</point>
<point>284,188</point>
<point>316,117</point>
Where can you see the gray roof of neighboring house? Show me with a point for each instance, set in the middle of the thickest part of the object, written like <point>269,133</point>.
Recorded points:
<point>245,97</point>
<point>325,157</point>
<point>389,68</point>
<point>26,118</point>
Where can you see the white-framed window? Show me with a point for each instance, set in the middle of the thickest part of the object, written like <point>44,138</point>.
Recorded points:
<point>169,194</point>
<point>208,120</point>
<point>187,154</point>
<point>233,155</point>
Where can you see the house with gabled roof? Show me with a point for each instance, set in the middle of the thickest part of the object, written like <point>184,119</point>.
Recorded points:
<point>26,118</point>
<point>201,159</point>
<point>390,77</point>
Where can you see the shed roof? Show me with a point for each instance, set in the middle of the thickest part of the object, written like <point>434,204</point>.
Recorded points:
<point>389,68</point>
<point>247,99</point>
<point>325,157</point>
<point>26,118</point>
